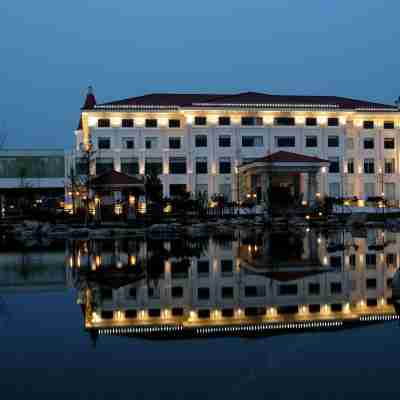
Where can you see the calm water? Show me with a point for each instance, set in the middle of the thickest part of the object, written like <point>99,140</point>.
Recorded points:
<point>56,298</point>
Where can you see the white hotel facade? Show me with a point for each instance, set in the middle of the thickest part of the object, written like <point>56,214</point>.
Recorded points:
<point>199,141</point>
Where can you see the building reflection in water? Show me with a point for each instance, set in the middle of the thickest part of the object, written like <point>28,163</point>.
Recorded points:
<point>242,282</point>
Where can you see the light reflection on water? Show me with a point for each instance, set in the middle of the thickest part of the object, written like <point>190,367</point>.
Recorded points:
<point>65,298</point>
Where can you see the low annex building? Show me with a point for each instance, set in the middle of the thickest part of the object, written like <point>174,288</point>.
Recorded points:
<point>224,143</point>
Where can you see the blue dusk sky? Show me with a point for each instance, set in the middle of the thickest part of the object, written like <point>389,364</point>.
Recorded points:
<point>52,50</point>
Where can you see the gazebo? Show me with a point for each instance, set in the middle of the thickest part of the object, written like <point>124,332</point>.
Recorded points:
<point>116,191</point>
<point>295,173</point>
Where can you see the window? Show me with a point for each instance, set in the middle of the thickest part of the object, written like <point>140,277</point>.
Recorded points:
<point>287,290</point>
<point>151,123</point>
<point>334,189</point>
<point>369,166</point>
<point>311,141</point>
<point>203,293</point>
<point>82,166</point>
<point>350,166</point>
<point>203,314</point>
<point>352,260</point>
<point>350,143</point>
<point>177,292</point>
<point>388,143</point>
<point>333,121</point>
<point>103,123</point>
<point>174,142</point>
<point>285,141</point>
<point>370,259</point>
<point>104,165</point>
<point>224,141</point>
<point>227,292</point>
<point>200,121</point>
<point>333,141</point>
<point>153,293</point>
<point>226,267</point>
<point>130,166</point>
<point>334,167</point>
<point>153,166</point>
<point>227,312</point>
<point>177,165</point>
<point>132,293</point>
<point>369,143</point>
<point>314,289</point>
<point>225,165</point>
<point>127,123</point>
<point>174,123</point>
<point>103,143</point>
<point>200,141</point>
<point>336,287</point>
<point>389,166</point>
<point>390,191</point>
<point>201,165</point>
<point>368,124</point>
<point>224,121</point>
<point>130,314</point>
<point>371,283</point>
<point>388,125</point>
<point>391,259</point>
<point>369,189</point>
<point>203,267</point>
<point>177,312</point>
<point>335,261</point>
<point>254,291</point>
<point>311,121</point>
<point>151,143</point>
<point>128,143</point>
<point>252,141</point>
<point>284,121</point>
<point>252,121</point>
<point>154,312</point>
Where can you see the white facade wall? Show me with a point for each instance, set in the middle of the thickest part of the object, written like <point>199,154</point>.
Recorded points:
<point>342,184</point>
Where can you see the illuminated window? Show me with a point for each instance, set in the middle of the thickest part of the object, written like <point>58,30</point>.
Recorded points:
<point>103,123</point>
<point>311,141</point>
<point>127,123</point>
<point>252,141</point>
<point>388,125</point>
<point>284,121</point>
<point>224,141</point>
<point>175,142</point>
<point>224,121</point>
<point>252,121</point>
<point>333,121</point>
<point>368,124</point>
<point>388,143</point>
<point>333,141</point>
<point>285,141</point>
<point>151,123</point>
<point>103,143</point>
<point>369,143</point>
<point>174,123</point>
<point>369,166</point>
<point>201,140</point>
<point>311,121</point>
<point>200,121</point>
<point>389,166</point>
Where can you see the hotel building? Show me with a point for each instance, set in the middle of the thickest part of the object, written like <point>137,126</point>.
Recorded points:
<point>211,142</point>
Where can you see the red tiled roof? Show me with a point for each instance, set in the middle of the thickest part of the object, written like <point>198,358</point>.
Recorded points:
<point>287,156</point>
<point>245,98</point>
<point>115,178</point>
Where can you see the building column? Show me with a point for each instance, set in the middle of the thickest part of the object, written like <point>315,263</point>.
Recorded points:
<point>265,182</point>
<point>311,187</point>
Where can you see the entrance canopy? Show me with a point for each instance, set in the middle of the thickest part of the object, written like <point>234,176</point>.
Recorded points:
<point>285,161</point>
<point>292,176</point>
<point>116,181</point>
